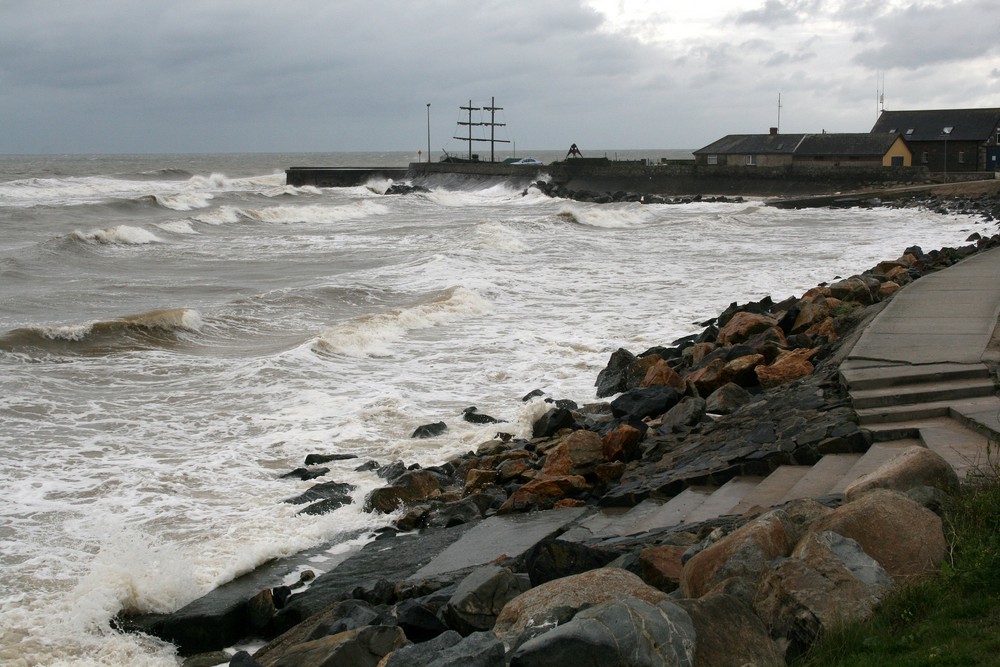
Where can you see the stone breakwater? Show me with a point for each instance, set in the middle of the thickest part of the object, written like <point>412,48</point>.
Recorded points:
<point>567,548</point>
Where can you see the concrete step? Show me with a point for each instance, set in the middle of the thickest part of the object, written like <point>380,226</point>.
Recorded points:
<point>893,431</point>
<point>891,376</point>
<point>926,392</point>
<point>982,415</point>
<point>723,499</point>
<point>676,510</point>
<point>965,449</point>
<point>876,455</point>
<point>981,410</point>
<point>822,477</point>
<point>771,489</point>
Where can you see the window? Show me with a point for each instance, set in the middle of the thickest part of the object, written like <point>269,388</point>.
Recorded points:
<point>923,157</point>
<point>909,132</point>
<point>897,160</point>
<point>961,157</point>
<point>713,159</point>
<point>751,160</point>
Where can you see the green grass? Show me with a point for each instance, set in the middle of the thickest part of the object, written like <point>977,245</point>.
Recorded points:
<point>951,618</point>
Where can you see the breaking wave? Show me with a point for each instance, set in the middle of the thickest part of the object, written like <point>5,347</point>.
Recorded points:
<point>313,213</point>
<point>606,217</point>
<point>156,328</point>
<point>372,335</point>
<point>120,235</point>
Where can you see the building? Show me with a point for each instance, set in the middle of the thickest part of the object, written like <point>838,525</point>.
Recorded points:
<point>831,150</point>
<point>947,140</point>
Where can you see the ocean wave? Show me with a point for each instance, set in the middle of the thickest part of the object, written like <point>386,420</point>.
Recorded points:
<point>156,328</point>
<point>183,201</point>
<point>372,335</point>
<point>607,217</point>
<point>120,235</point>
<point>313,213</point>
<point>177,227</point>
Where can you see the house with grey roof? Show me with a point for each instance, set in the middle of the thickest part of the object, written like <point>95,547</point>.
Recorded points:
<point>947,140</point>
<point>823,149</point>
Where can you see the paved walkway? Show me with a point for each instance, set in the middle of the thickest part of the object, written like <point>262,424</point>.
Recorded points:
<point>944,317</point>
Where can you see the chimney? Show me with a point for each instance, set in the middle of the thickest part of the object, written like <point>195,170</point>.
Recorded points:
<point>774,131</point>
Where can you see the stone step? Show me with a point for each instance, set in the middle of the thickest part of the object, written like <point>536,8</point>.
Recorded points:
<point>893,431</point>
<point>890,376</point>
<point>980,410</point>
<point>965,449</point>
<point>876,455</point>
<point>821,478</point>
<point>676,510</point>
<point>982,414</point>
<point>771,489</point>
<point>723,499</point>
<point>926,392</point>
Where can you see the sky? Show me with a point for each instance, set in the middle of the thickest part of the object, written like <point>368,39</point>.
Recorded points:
<point>137,76</point>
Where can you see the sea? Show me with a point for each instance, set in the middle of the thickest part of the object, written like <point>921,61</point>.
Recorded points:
<point>179,331</point>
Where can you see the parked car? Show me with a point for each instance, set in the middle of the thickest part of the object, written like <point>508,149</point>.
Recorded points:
<point>528,160</point>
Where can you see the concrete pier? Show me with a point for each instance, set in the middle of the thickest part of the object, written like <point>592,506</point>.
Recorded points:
<point>340,177</point>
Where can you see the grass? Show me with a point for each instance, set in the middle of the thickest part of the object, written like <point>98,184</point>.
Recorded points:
<point>951,618</point>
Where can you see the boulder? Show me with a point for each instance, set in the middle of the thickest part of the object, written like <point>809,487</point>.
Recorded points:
<point>730,633</point>
<point>576,454</point>
<point>789,366</point>
<point>740,370</point>
<point>552,422</point>
<point>346,615</point>
<point>904,537</point>
<point>474,416</point>
<point>647,402</point>
<point>661,374</point>
<point>480,649</point>
<point>363,647</point>
<point>662,566</point>
<point>555,559</point>
<point>688,412</point>
<point>454,513</point>
<point>560,599</point>
<point>915,466</point>
<point>743,553</point>
<point>828,581</point>
<point>743,326</point>
<point>423,653</point>
<point>542,493</point>
<point>727,399</point>
<point>860,289</point>
<point>708,378</point>
<point>479,598</point>
<point>419,620</point>
<point>430,430</point>
<point>612,380</point>
<point>409,488</point>
<point>625,633</point>
<point>476,479</point>
<point>621,443</point>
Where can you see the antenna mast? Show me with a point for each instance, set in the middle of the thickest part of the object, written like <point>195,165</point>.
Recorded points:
<point>778,126</point>
<point>880,93</point>
<point>492,124</point>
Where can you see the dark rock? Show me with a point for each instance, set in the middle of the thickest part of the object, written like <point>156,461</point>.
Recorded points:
<point>424,653</point>
<point>430,430</point>
<point>368,465</point>
<point>411,487</point>
<point>453,514</point>
<point>613,379</point>
<point>480,597</point>
<point>628,632</point>
<point>316,459</point>
<point>330,495</point>
<point>552,422</point>
<point>391,471</point>
<point>534,393</point>
<point>729,633</point>
<point>420,621</point>
<point>207,659</point>
<point>647,402</point>
<point>688,412</point>
<point>554,559</point>
<point>473,416</point>
<point>480,649</point>
<point>243,659</point>
<point>305,474</point>
<point>346,615</point>
<point>727,399</point>
<point>363,647</point>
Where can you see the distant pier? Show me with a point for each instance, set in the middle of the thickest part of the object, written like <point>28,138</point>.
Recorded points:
<point>340,177</point>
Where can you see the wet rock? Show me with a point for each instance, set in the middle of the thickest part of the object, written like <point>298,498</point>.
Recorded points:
<point>207,659</point>
<point>708,378</point>
<point>480,597</point>
<point>346,615</point>
<point>324,497</point>
<point>542,494</point>
<point>552,422</point>
<point>647,402</point>
<point>613,379</point>
<point>454,514</point>
<point>363,647</point>
<point>410,488</point>
<point>555,559</point>
<point>661,374</point>
<point>480,649</point>
<point>577,454</point>
<point>430,430</point>
<point>317,459</point>
<point>727,399</point>
<point>422,654</point>
<point>730,633</point>
<point>242,659</point>
<point>662,566</point>
<point>305,474</point>
<point>743,326</point>
<point>789,366</point>
<point>688,412</point>
<point>628,632</point>
<point>622,443</point>
<point>419,620</point>
<point>474,416</point>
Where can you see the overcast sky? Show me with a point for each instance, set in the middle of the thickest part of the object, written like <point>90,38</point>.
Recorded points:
<point>356,75</point>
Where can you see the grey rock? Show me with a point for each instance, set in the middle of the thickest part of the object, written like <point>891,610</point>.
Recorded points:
<point>688,412</point>
<point>479,599</point>
<point>727,399</point>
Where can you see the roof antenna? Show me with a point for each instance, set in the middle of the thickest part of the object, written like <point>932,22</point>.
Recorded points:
<point>778,124</point>
<point>880,94</point>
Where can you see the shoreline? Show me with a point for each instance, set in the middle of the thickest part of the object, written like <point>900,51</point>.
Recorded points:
<point>442,493</point>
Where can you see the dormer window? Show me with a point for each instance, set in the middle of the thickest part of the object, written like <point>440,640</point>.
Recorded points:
<point>947,130</point>
<point>909,132</point>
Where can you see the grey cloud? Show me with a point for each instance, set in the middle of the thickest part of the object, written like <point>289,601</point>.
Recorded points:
<point>776,13</point>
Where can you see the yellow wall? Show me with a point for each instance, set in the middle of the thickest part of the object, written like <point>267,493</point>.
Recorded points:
<point>898,149</point>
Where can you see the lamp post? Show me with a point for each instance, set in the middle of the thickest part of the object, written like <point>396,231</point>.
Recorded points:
<point>428,131</point>
<point>946,131</point>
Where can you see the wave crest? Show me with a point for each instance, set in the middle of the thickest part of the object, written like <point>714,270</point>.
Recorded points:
<point>120,235</point>
<point>372,335</point>
<point>606,217</point>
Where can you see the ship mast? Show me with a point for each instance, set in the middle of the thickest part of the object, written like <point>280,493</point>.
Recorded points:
<point>492,124</point>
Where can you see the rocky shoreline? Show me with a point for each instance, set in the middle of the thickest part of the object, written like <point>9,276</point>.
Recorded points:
<point>554,550</point>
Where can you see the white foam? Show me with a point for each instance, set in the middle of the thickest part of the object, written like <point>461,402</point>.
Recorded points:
<point>120,235</point>
<point>184,201</point>
<point>177,227</point>
<point>608,216</point>
<point>372,335</point>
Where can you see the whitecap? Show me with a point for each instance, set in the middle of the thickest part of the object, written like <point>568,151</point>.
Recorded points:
<point>120,235</point>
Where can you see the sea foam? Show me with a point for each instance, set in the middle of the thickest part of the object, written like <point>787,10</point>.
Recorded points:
<point>120,235</point>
